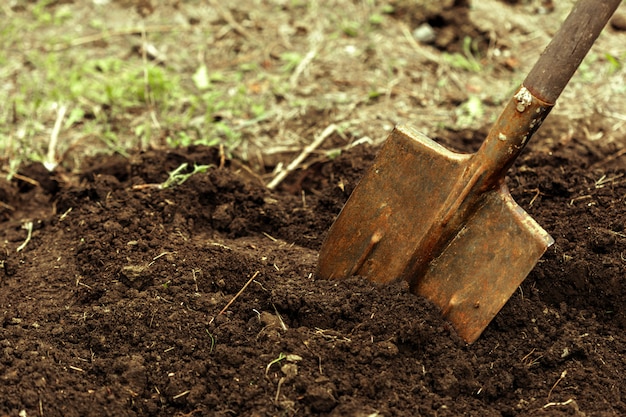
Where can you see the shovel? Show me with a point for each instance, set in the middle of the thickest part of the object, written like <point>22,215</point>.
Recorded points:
<point>446,222</point>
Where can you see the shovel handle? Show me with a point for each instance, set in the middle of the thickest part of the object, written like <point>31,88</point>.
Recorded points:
<point>567,49</point>
<point>533,101</point>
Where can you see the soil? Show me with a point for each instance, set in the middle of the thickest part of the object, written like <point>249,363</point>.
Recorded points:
<point>121,298</point>
<point>113,306</point>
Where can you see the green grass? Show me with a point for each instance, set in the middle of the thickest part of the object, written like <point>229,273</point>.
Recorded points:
<point>179,175</point>
<point>469,112</point>
<point>216,86</point>
<point>595,66</point>
<point>116,100</point>
<point>468,60</point>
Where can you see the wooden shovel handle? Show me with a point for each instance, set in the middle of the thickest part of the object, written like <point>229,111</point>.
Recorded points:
<point>567,49</point>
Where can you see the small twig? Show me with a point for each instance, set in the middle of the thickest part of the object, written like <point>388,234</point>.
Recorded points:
<point>280,383</point>
<point>571,400</point>
<point>122,32</point>
<point>6,206</point>
<point>528,355</point>
<point>149,97</point>
<point>537,194</point>
<point>193,274</point>
<point>270,237</point>
<point>222,156</point>
<point>609,158</point>
<point>24,178</point>
<point>583,197</point>
<point>604,180</point>
<point>303,155</point>
<point>280,319</point>
<point>50,163</point>
<point>65,214</point>
<point>306,61</point>
<point>425,53</point>
<point>162,254</point>
<point>29,227</point>
<point>182,394</point>
<point>614,115</point>
<point>228,17</point>
<point>556,383</point>
<point>293,80</point>
<point>609,231</point>
<point>236,295</point>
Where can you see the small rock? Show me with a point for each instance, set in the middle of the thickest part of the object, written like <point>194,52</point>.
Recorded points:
<point>222,216</point>
<point>320,399</point>
<point>272,321</point>
<point>386,349</point>
<point>425,33</point>
<point>289,369</point>
<point>136,276</point>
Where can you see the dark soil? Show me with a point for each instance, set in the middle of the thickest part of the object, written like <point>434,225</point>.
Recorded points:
<point>112,307</point>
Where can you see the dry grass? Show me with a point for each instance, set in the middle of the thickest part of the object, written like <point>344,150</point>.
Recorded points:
<point>265,78</point>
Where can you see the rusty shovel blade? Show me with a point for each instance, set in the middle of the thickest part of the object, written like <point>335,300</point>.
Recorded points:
<point>443,221</point>
<point>379,232</point>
